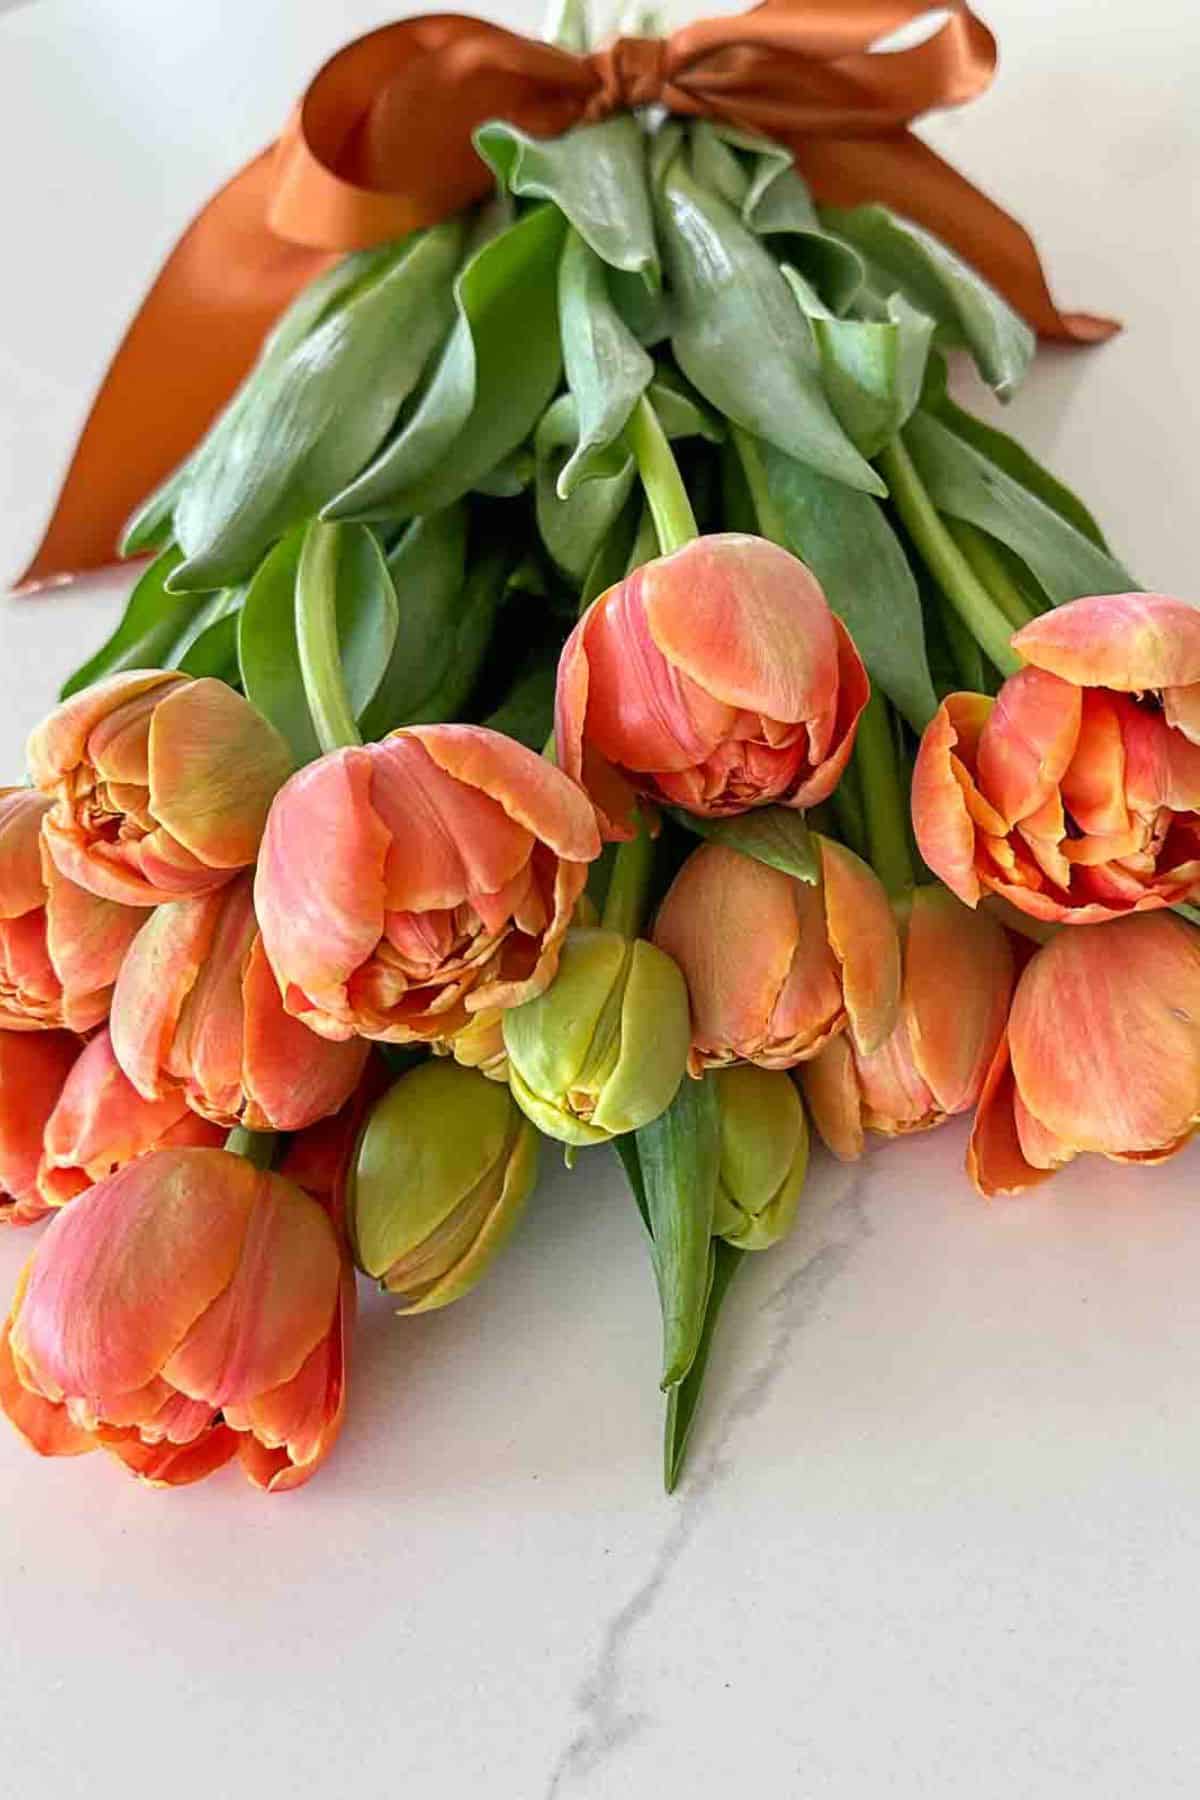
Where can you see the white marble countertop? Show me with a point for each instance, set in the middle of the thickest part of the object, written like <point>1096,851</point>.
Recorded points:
<point>940,1535</point>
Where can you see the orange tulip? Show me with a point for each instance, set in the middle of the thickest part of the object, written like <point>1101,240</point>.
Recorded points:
<point>160,784</point>
<point>197,1014</point>
<point>183,1311</point>
<point>776,968</point>
<point>1102,1054</point>
<point>60,948</point>
<point>406,886</point>
<point>100,1122</point>
<point>958,974</point>
<point>32,1072</point>
<point>1076,793</point>
<point>715,679</point>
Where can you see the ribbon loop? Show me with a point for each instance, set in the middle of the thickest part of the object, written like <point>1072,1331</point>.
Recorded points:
<point>633,73</point>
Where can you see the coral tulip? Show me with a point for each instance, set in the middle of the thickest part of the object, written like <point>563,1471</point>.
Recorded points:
<point>714,679</point>
<point>1076,792</point>
<point>100,1122</point>
<point>196,1011</point>
<point>1102,1054</point>
<point>160,784</point>
<point>406,886</point>
<point>181,1312</point>
<point>775,967</point>
<point>958,974</point>
<point>60,947</point>
<point>33,1069</point>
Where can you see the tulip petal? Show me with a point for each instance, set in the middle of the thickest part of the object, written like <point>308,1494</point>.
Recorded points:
<point>45,1425</point>
<point>996,1162</point>
<point>22,888</point>
<point>1133,643</point>
<point>215,765</point>
<point>1181,709</point>
<point>941,816</point>
<point>608,790</point>
<point>958,977</point>
<point>173,1465</point>
<point>449,839</point>
<point>533,793</point>
<point>863,937</point>
<point>1027,742</point>
<point>291,1076</point>
<point>100,1120</point>
<point>831,1093</point>
<point>33,1070</point>
<point>854,690</point>
<point>59,743</point>
<point>207,1049</point>
<point>87,939</point>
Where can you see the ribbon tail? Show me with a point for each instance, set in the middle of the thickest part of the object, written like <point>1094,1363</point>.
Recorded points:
<point>191,343</point>
<point>902,172</point>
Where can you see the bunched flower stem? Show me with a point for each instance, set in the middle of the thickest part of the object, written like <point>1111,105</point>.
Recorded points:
<point>258,1147</point>
<point>666,496</point>
<point>770,524</point>
<point>884,800</point>
<point>629,885</point>
<point>317,639</point>
<point>988,566</point>
<point>944,560</point>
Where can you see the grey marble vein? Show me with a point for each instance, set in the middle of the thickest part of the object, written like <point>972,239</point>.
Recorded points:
<point>609,1722</point>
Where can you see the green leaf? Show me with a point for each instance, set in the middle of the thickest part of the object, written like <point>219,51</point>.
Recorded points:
<point>873,369</point>
<point>209,644</point>
<point>606,368</point>
<point>301,430</point>
<point>152,526</point>
<point>847,542</point>
<point>527,711</point>
<point>595,175</point>
<point>683,1400</point>
<point>968,311</point>
<point>268,655</point>
<point>627,1154</point>
<point>678,1154</point>
<point>1007,454</point>
<point>497,373</point>
<point>738,335</point>
<point>681,412</point>
<point>966,484</point>
<point>776,835</point>
<point>574,528</point>
<point>150,626</point>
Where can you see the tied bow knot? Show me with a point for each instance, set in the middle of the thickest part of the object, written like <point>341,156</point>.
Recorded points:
<point>632,73</point>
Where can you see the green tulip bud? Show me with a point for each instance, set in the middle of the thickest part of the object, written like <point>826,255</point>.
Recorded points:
<point>444,1166</point>
<point>603,1050</point>
<point>764,1155</point>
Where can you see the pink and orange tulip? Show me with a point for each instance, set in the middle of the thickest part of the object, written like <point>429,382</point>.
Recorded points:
<point>197,1018</point>
<point>60,947</point>
<point>160,784</point>
<point>1101,1054</point>
<point>775,968</point>
<point>714,679</point>
<point>1075,794</point>
<point>100,1122</point>
<point>187,1310</point>
<point>958,975</point>
<point>33,1070</point>
<point>405,887</point>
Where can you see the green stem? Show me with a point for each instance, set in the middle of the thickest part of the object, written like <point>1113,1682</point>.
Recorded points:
<point>258,1147</point>
<point>944,560</point>
<point>981,553</point>
<point>770,524</point>
<point>645,544</point>
<point>629,885</point>
<point>666,496</point>
<point>848,810</point>
<point>884,800</point>
<point>317,639</point>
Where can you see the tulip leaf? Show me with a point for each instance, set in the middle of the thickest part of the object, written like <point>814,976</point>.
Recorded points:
<point>574,527</point>
<point>209,645</point>
<point>149,627</point>
<point>596,177</point>
<point>497,373</point>
<point>678,1156</point>
<point>683,1400</point>
<point>847,542</point>
<point>606,368</point>
<point>966,484</point>
<point>680,410</point>
<point>268,654</point>
<point>627,1152</point>
<point>969,312</point>
<point>776,835</point>
<point>152,526</point>
<point>527,711</point>
<point>738,335</point>
<point>873,369</point>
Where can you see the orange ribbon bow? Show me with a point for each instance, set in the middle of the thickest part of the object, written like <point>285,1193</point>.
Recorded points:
<point>381,143</point>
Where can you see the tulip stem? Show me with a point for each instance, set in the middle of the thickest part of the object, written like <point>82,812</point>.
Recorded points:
<point>258,1147</point>
<point>944,560</point>
<point>317,638</point>
<point>629,885</point>
<point>666,496</point>
<point>988,565</point>
<point>884,799</point>
<point>770,524</point>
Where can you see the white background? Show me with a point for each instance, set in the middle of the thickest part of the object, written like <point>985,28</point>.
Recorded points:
<point>941,1535</point>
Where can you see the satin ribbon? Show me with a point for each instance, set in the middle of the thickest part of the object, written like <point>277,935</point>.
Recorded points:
<point>381,143</point>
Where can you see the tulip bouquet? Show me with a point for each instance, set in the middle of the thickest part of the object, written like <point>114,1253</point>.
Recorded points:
<point>591,683</point>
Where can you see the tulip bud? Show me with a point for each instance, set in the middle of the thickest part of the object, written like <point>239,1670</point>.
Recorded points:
<point>443,1170</point>
<point>160,783</point>
<point>764,1156</point>
<point>715,679</point>
<point>604,1049</point>
<point>480,1045</point>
